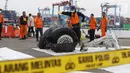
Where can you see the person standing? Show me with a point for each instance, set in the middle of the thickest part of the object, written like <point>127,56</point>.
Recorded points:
<point>74,20</point>
<point>23,26</point>
<point>30,25</point>
<point>92,23</point>
<point>1,23</point>
<point>38,26</point>
<point>103,24</point>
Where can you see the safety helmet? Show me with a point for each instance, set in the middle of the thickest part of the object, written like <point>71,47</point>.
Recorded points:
<point>72,8</point>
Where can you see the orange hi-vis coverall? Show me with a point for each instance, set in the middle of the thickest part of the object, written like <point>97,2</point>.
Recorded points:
<point>23,26</point>
<point>39,26</point>
<point>38,22</point>
<point>1,19</point>
<point>93,23</point>
<point>1,22</point>
<point>74,19</point>
<point>104,22</point>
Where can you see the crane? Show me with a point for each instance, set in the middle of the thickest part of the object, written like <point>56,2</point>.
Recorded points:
<point>106,6</point>
<point>6,4</point>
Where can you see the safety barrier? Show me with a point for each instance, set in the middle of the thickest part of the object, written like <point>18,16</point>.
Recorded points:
<point>3,32</point>
<point>61,64</point>
<point>10,31</point>
<point>17,32</point>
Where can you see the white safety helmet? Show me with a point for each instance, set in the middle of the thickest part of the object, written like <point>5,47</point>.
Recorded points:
<point>0,11</point>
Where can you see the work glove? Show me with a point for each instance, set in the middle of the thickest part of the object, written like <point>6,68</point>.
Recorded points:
<point>60,12</point>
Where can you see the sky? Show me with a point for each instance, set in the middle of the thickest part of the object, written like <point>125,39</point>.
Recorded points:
<point>91,6</point>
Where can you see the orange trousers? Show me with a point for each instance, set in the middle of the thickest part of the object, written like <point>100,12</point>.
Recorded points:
<point>23,31</point>
<point>103,30</point>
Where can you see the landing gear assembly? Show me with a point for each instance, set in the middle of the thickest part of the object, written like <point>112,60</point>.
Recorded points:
<point>64,39</point>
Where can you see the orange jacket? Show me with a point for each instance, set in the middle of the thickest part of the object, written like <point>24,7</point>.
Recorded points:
<point>74,19</point>
<point>93,23</point>
<point>104,22</point>
<point>38,22</point>
<point>1,18</point>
